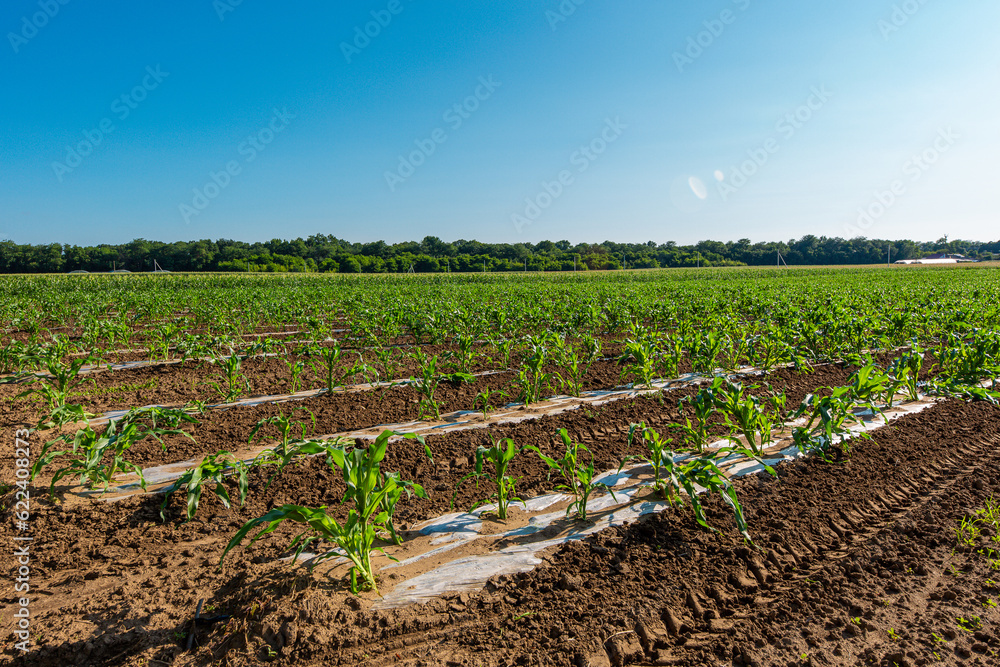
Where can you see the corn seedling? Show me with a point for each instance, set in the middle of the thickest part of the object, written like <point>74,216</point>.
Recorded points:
<point>696,437</point>
<point>671,353</point>
<point>970,624</point>
<point>532,376</point>
<point>366,490</point>
<point>828,421</point>
<point>500,456</point>
<point>212,469</point>
<point>868,383</point>
<point>230,383</point>
<point>672,477</point>
<point>327,365</point>
<point>639,359</point>
<point>504,347</point>
<point>90,449</point>
<point>55,386</point>
<point>426,385</point>
<point>705,350</point>
<point>579,478</point>
<point>483,401</point>
<point>285,451</point>
<point>659,452</point>
<point>743,414</point>
<point>904,373</point>
<point>295,369</point>
<point>463,360</point>
<point>575,366</point>
<point>388,360</point>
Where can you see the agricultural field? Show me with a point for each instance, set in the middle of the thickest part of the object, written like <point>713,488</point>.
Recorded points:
<point>726,467</point>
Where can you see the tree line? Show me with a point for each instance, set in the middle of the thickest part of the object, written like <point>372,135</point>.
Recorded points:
<point>328,254</point>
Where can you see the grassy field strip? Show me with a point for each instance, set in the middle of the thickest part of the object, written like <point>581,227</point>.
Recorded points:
<point>455,553</point>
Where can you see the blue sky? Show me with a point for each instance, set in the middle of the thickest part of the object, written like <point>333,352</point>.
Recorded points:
<point>586,122</point>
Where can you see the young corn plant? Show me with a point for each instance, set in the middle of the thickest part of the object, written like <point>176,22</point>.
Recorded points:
<point>640,360</point>
<point>213,469</point>
<point>366,490</point>
<point>389,361</point>
<point>54,388</point>
<point>500,455</point>
<point>283,453</point>
<point>696,436</point>
<point>484,401</point>
<point>745,415</point>
<point>531,377</point>
<point>767,350</point>
<point>673,477</point>
<point>504,347</point>
<point>901,376</point>
<point>705,350</point>
<point>868,383</point>
<point>579,478</point>
<point>229,383</point>
<point>327,365</point>
<point>426,385</point>
<point>163,338</point>
<point>575,365</point>
<point>464,359</point>
<point>98,457</point>
<point>828,420</point>
<point>659,453</point>
<point>671,354</point>
<point>913,361</point>
<point>295,369</point>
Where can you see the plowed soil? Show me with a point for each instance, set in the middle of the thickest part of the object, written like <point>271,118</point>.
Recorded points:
<point>848,551</point>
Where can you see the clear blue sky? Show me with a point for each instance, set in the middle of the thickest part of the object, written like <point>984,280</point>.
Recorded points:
<point>662,119</point>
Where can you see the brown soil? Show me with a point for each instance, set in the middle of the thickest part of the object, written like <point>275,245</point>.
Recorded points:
<point>850,550</point>
<point>180,383</point>
<point>112,585</point>
<point>602,429</point>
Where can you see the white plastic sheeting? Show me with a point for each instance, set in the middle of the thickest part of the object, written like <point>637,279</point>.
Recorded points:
<point>160,476</point>
<point>452,532</point>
